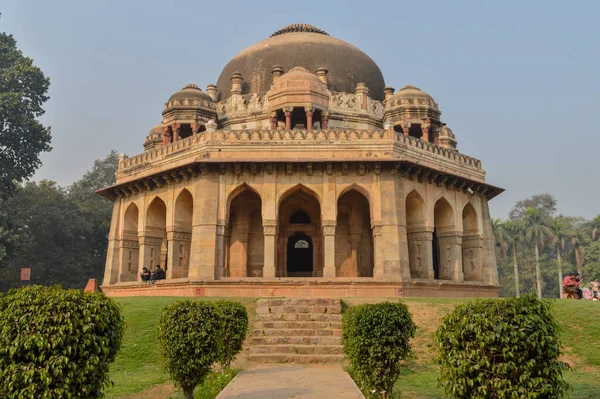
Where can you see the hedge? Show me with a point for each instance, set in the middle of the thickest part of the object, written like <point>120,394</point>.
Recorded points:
<point>57,343</point>
<point>376,339</point>
<point>501,349</point>
<point>235,319</point>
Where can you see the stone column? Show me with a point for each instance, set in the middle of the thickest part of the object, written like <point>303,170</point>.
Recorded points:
<point>451,256</point>
<point>212,91</point>
<point>149,251</point>
<point>388,92</point>
<point>472,249</point>
<point>354,245</point>
<point>276,73</point>
<point>221,244</point>
<point>288,119</point>
<point>178,253</point>
<point>425,130</point>
<point>378,269</point>
<point>420,250</point>
<point>274,121</point>
<point>195,128</point>
<point>406,128</point>
<point>329,248</point>
<point>270,232</point>
<point>111,270</point>
<point>203,258</point>
<point>362,90</point>
<point>166,137</point>
<point>490,270</point>
<point>325,120</point>
<point>175,127</point>
<point>309,118</point>
<point>129,254</point>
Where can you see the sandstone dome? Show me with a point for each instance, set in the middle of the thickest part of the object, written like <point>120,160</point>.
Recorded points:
<point>190,92</point>
<point>305,46</point>
<point>410,94</point>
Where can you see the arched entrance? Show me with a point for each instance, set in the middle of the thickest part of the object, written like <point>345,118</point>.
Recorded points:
<point>299,256</point>
<point>299,242</point>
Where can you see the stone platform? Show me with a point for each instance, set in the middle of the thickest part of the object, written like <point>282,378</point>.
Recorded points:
<point>303,287</point>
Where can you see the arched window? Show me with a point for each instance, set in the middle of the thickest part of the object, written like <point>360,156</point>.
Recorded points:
<point>300,217</point>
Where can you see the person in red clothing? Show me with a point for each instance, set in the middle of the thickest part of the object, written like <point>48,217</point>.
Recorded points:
<point>571,285</point>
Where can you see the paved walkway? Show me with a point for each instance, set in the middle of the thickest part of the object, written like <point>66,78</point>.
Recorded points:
<point>281,381</point>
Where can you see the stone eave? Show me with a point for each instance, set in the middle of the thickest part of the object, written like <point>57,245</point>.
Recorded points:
<point>409,170</point>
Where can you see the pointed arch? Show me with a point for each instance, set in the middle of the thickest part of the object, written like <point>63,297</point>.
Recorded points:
<point>298,189</point>
<point>245,242</point>
<point>154,248</point>
<point>472,245</point>
<point>470,220</point>
<point>293,261</point>
<point>443,214</point>
<point>415,210</point>
<point>129,248</point>
<point>354,236</point>
<point>362,190</point>
<point>417,235</point>
<point>181,238</point>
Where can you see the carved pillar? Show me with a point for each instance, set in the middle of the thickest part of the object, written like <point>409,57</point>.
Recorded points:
<point>309,118</point>
<point>472,250</point>
<point>378,251</point>
<point>111,271</point>
<point>329,248</point>
<point>354,245</point>
<point>420,250</point>
<point>325,120</point>
<point>288,119</point>
<point>175,127</point>
<point>166,137</point>
<point>425,130</point>
<point>195,128</point>
<point>178,254</point>
<point>149,251</point>
<point>270,231</point>
<point>222,241</point>
<point>212,91</point>
<point>450,244</point>
<point>274,121</point>
<point>243,265</point>
<point>406,128</point>
<point>276,72</point>
<point>362,90</point>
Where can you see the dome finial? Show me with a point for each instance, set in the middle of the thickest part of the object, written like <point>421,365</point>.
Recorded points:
<point>299,28</point>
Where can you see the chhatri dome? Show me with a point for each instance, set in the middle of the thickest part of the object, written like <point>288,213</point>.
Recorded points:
<point>308,47</point>
<point>301,173</point>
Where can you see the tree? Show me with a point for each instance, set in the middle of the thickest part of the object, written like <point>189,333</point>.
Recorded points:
<point>538,233</point>
<point>562,231</point>
<point>545,203</point>
<point>23,89</point>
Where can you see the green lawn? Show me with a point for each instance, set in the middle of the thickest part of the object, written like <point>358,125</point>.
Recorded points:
<point>138,365</point>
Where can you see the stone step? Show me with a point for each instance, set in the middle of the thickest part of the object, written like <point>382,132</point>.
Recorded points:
<point>298,317</point>
<point>300,332</point>
<point>317,325</point>
<point>298,302</point>
<point>279,340</point>
<point>298,349</point>
<point>294,358</point>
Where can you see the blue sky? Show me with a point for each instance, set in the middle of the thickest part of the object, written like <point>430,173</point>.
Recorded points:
<point>517,81</point>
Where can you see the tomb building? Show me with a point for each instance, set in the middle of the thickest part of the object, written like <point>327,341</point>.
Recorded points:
<point>300,173</point>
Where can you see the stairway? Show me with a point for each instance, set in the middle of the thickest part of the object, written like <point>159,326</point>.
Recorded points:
<point>297,330</point>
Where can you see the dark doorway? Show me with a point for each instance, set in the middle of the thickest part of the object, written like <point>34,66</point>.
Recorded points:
<point>300,217</point>
<point>436,255</point>
<point>299,256</point>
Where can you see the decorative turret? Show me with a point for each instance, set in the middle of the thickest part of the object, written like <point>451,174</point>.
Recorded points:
<point>186,113</point>
<point>154,138</point>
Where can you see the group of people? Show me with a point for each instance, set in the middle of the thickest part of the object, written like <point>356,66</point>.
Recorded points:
<point>158,274</point>
<point>571,287</point>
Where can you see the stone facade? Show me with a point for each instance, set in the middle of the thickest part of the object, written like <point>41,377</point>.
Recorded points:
<point>302,183</point>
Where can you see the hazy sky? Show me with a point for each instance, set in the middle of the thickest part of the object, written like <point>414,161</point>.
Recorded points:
<point>517,81</point>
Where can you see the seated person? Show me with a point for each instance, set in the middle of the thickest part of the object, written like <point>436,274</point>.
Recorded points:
<point>158,274</point>
<point>146,274</point>
<point>571,286</point>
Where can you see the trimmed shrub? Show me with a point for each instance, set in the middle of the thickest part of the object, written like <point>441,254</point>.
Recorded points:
<point>57,343</point>
<point>235,319</point>
<point>376,338</point>
<point>501,349</point>
<point>190,335</point>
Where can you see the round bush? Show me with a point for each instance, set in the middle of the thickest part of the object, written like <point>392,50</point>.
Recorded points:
<point>501,349</point>
<point>57,343</point>
<point>190,335</point>
<point>235,319</point>
<point>376,338</point>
